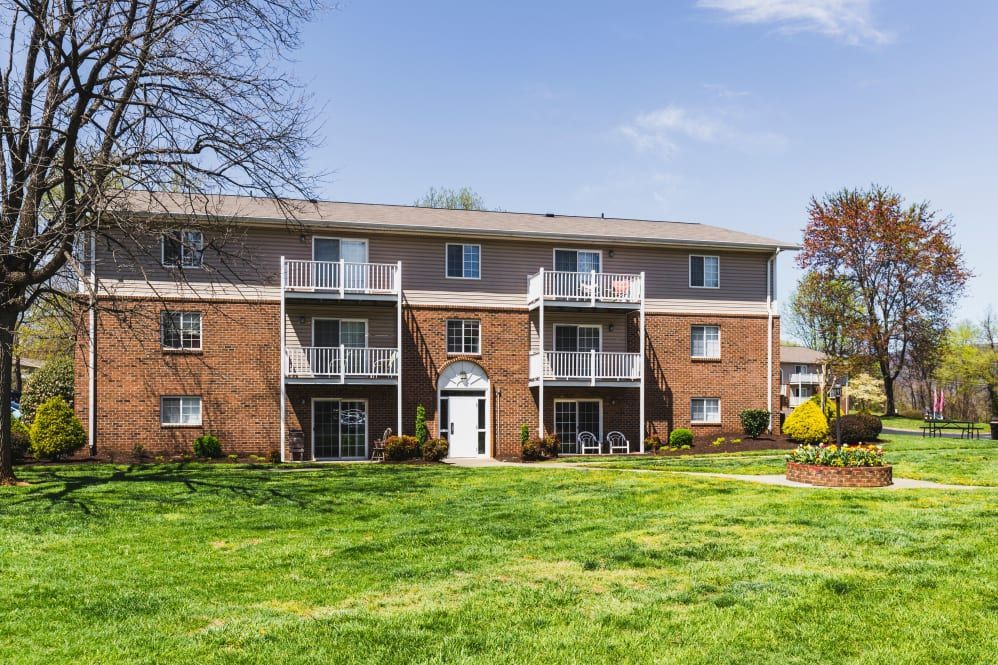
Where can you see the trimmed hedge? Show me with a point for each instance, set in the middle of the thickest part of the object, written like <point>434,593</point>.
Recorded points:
<point>207,445</point>
<point>20,439</point>
<point>434,450</point>
<point>807,424</point>
<point>858,428</point>
<point>754,422</point>
<point>53,379</point>
<point>537,449</point>
<point>55,431</point>
<point>681,438</point>
<point>400,448</point>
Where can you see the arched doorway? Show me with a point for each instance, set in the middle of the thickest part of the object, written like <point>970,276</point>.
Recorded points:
<point>463,409</point>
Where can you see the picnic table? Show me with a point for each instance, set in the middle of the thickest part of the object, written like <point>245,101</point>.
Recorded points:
<point>968,429</point>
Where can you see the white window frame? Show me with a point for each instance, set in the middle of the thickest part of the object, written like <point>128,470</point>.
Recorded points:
<point>705,422</point>
<point>367,424</point>
<point>704,257</point>
<point>447,247</point>
<point>462,352</point>
<point>559,400</point>
<point>555,250</point>
<point>200,402</point>
<point>706,355</point>
<point>554,334</point>
<point>181,348</point>
<point>367,247</point>
<point>367,329</point>
<point>183,249</point>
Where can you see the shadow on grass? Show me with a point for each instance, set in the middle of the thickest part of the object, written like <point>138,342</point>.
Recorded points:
<point>73,486</point>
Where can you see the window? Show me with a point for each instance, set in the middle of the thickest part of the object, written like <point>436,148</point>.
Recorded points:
<point>705,410</point>
<point>180,330</point>
<point>574,416</point>
<point>577,338</point>
<point>705,342</point>
<point>339,429</point>
<point>463,336</point>
<point>576,260</point>
<point>705,272</point>
<point>334,332</point>
<point>183,248</point>
<point>464,261</point>
<point>180,411</point>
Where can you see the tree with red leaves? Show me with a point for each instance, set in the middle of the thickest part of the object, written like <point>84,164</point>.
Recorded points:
<point>901,261</point>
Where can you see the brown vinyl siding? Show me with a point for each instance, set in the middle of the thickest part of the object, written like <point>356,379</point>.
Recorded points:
<point>613,341</point>
<point>382,322</point>
<point>252,257</point>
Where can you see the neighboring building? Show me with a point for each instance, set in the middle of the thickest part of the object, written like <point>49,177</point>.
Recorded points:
<point>356,313</point>
<point>802,374</point>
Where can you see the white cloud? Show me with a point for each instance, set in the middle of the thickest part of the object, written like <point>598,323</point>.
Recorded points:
<point>848,20</point>
<point>665,129</point>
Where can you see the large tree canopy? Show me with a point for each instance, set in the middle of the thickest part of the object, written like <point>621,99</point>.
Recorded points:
<point>899,261</point>
<point>180,95</point>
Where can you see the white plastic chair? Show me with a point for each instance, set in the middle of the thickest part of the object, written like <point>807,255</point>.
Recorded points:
<point>618,443</point>
<point>590,444</point>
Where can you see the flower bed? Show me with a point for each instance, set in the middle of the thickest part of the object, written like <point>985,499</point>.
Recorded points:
<point>834,466</point>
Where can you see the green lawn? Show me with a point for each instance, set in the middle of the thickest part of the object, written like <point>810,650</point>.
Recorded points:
<point>956,461</point>
<point>429,564</point>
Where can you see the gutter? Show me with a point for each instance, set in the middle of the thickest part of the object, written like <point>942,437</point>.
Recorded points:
<point>770,306</point>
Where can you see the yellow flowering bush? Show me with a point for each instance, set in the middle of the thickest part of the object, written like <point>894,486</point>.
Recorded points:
<point>807,425</point>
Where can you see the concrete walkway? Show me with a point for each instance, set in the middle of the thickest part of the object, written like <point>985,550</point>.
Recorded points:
<point>765,479</point>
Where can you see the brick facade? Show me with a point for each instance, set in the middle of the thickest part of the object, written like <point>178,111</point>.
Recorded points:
<point>237,376</point>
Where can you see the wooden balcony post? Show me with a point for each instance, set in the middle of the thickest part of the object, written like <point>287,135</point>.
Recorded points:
<point>592,367</point>
<point>343,277</point>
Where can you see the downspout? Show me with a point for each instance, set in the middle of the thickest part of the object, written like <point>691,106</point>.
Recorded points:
<point>282,364</point>
<point>770,305</point>
<point>92,350</point>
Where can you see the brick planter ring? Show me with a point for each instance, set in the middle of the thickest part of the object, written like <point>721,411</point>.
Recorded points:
<point>840,476</point>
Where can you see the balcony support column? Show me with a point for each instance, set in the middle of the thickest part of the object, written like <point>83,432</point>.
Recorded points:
<point>540,384</point>
<point>282,331</point>
<point>641,359</point>
<point>398,345</point>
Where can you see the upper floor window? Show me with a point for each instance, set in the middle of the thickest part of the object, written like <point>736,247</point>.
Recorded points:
<point>577,338</point>
<point>705,271</point>
<point>349,250</point>
<point>183,248</point>
<point>463,336</point>
<point>180,411</point>
<point>464,261</point>
<point>705,410</point>
<point>577,260</point>
<point>180,330</point>
<point>705,342</point>
<point>328,333</point>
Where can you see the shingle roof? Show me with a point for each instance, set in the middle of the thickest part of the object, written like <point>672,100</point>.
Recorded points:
<point>435,220</point>
<point>802,355</point>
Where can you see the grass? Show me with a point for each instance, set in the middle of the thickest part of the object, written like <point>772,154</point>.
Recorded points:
<point>954,461</point>
<point>430,564</point>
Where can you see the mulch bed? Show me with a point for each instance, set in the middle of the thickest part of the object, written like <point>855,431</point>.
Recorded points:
<point>702,446</point>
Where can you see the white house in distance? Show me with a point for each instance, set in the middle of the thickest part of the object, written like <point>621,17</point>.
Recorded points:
<point>802,374</point>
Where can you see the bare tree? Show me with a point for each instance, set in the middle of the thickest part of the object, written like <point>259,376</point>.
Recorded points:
<point>102,96</point>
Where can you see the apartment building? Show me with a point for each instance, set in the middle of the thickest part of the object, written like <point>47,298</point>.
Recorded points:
<point>333,328</point>
<point>802,375</point>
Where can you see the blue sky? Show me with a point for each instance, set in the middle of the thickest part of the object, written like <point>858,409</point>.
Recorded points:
<point>727,112</point>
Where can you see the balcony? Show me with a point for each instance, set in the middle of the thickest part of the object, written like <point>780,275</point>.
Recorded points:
<point>794,401</point>
<point>341,279</point>
<point>805,378</point>
<point>585,368</point>
<point>341,364</point>
<point>586,289</point>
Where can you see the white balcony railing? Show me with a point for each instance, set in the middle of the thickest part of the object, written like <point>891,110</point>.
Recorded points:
<point>795,401</point>
<point>589,366</point>
<point>805,378</point>
<point>342,362</point>
<point>342,277</point>
<point>583,287</point>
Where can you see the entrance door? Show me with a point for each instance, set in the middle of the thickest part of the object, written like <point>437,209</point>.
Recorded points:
<point>466,430</point>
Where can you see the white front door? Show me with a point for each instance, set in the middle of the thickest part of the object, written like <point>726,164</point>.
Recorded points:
<point>466,430</point>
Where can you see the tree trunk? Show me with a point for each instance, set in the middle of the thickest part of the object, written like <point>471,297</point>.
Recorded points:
<point>891,409</point>
<point>7,322</point>
<point>993,398</point>
<point>18,380</point>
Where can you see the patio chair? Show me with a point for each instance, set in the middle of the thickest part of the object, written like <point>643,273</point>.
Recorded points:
<point>378,449</point>
<point>618,443</point>
<point>589,443</point>
<point>385,365</point>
